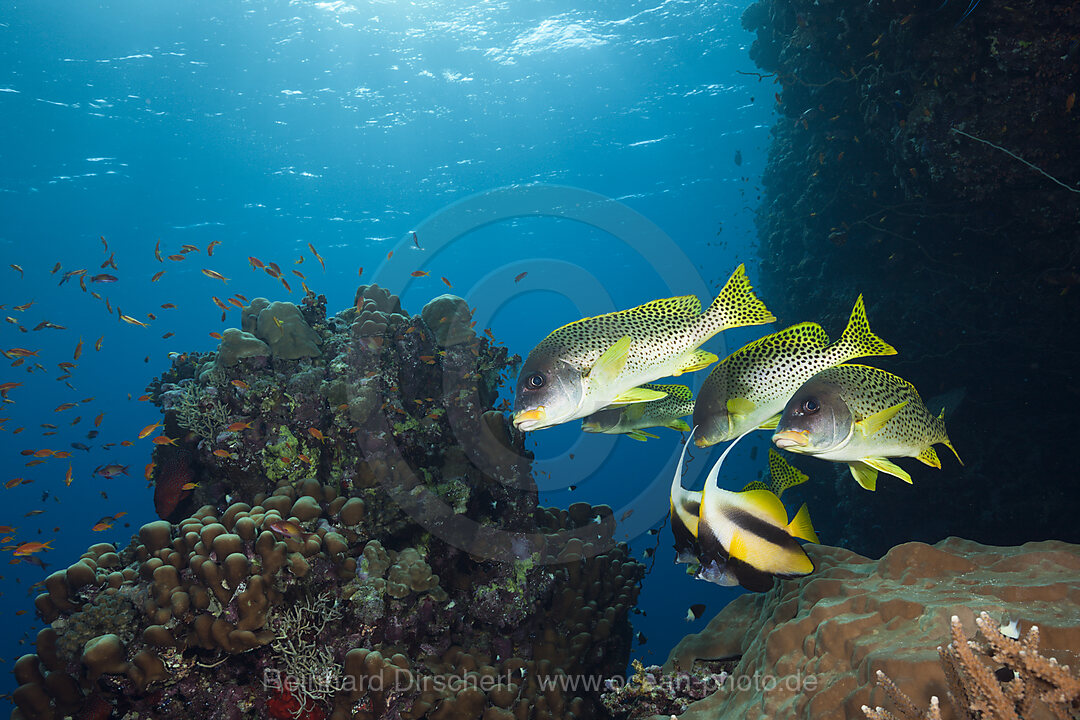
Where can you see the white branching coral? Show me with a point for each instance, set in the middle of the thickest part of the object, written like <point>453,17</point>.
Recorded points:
<point>308,666</point>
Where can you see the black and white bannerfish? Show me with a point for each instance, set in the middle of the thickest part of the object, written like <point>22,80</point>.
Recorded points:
<point>600,361</point>
<point>862,415</point>
<point>634,419</point>
<point>749,387</point>
<point>738,538</point>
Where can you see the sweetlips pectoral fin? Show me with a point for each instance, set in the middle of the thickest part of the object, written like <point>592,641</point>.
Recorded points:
<point>887,467</point>
<point>608,366</point>
<point>697,360</point>
<point>636,395</point>
<point>635,411</point>
<point>771,423</point>
<point>740,406</point>
<point>680,425</point>
<point>865,475</point>
<point>869,426</point>
<point>929,457</point>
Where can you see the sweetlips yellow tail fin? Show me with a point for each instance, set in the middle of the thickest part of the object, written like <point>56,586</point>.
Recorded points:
<point>945,438</point>
<point>771,423</point>
<point>637,395</point>
<point>948,443</point>
<point>735,306</point>
<point>857,339</point>
<point>611,363</point>
<point>697,360</point>
<point>801,527</point>
<point>889,468</point>
<point>869,426</point>
<point>865,475</point>
<point>929,457</point>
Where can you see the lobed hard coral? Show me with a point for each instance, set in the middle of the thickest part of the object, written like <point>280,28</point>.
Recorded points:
<point>333,566</point>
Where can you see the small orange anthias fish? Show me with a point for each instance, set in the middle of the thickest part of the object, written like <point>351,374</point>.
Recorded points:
<point>102,526</point>
<point>164,440</point>
<point>238,426</point>
<point>28,548</point>
<point>317,434</point>
<point>148,429</point>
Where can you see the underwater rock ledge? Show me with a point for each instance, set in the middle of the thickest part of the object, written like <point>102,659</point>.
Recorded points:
<point>821,639</point>
<point>966,255</point>
<point>343,506</point>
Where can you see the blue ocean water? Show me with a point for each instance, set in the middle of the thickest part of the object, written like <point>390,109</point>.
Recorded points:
<point>594,147</point>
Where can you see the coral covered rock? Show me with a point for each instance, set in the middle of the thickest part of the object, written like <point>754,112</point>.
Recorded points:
<point>360,516</point>
<point>236,344</point>
<point>283,328</point>
<point>818,641</point>
<point>448,316</point>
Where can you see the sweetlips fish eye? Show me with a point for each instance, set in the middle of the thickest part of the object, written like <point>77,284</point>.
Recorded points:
<point>811,405</point>
<point>535,381</point>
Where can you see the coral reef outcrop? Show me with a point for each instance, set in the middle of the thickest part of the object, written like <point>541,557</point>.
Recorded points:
<point>811,648</point>
<point>364,542</point>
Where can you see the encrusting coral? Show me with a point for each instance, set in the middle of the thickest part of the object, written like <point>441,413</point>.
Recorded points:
<point>1021,685</point>
<point>342,561</point>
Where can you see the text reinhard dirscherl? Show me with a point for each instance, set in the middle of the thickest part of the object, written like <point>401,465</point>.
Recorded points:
<point>404,681</point>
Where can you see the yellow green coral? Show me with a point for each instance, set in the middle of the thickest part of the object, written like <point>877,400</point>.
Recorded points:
<point>281,460</point>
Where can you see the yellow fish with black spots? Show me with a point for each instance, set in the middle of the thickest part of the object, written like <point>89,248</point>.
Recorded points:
<point>632,420</point>
<point>749,387</point>
<point>862,416</point>
<point>599,361</point>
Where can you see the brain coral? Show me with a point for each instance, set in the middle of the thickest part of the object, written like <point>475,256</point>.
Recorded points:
<point>810,648</point>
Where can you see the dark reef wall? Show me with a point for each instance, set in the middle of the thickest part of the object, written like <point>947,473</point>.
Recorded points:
<point>968,257</point>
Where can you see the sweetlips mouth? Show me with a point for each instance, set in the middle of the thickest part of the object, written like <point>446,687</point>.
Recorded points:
<point>791,438</point>
<point>530,416</point>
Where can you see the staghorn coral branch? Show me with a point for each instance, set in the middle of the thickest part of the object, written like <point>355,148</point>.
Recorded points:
<point>1039,686</point>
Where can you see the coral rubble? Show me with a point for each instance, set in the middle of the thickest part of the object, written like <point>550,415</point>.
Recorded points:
<point>366,544</point>
<point>812,647</point>
<point>966,254</point>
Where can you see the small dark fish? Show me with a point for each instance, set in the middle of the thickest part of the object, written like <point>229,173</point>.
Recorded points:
<point>80,446</point>
<point>696,611</point>
<point>738,157</point>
